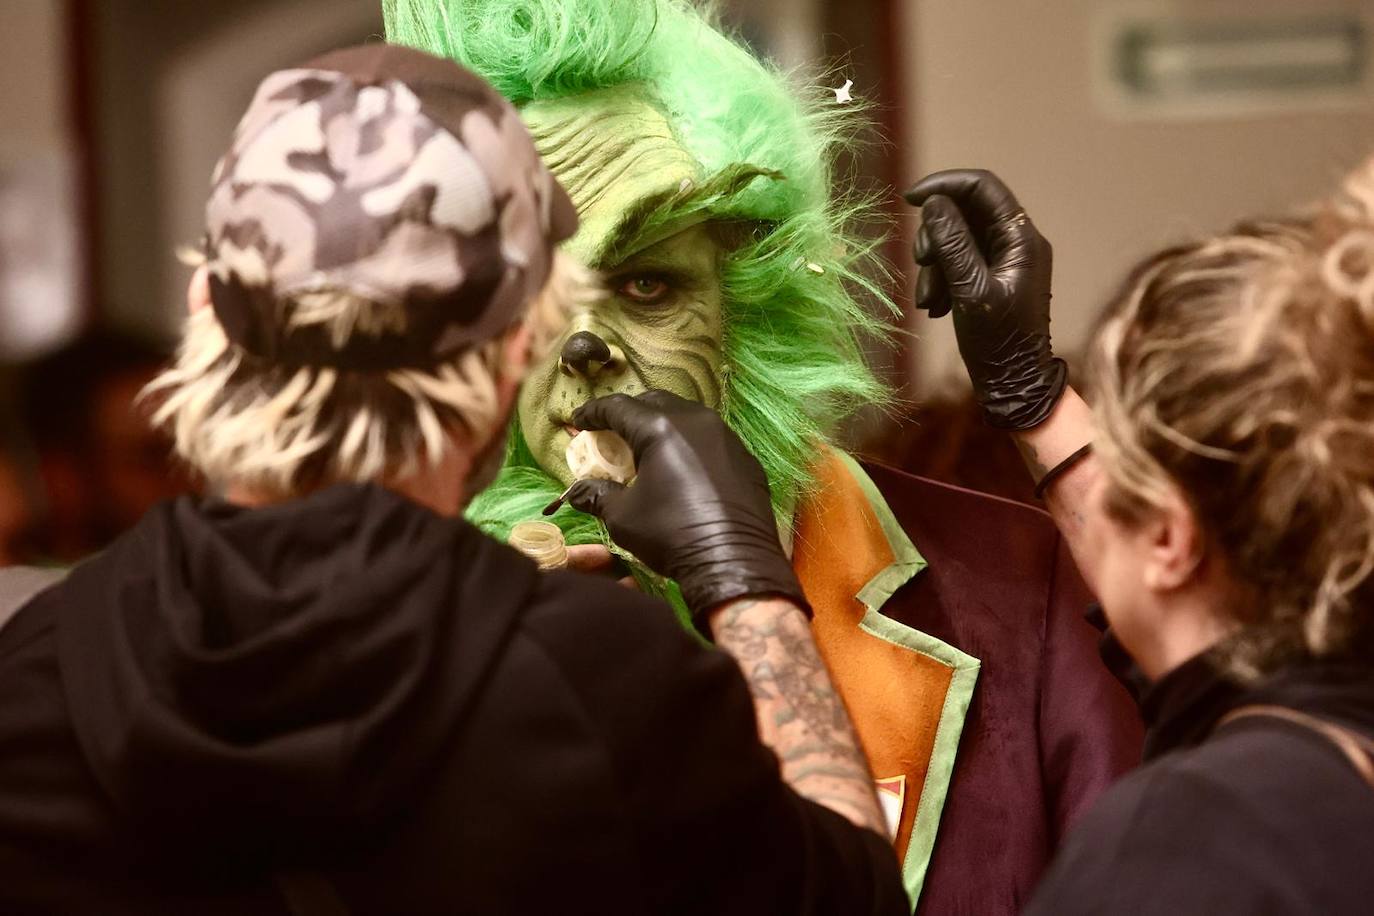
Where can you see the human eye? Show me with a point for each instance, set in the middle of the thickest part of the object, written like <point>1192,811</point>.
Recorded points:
<point>645,289</point>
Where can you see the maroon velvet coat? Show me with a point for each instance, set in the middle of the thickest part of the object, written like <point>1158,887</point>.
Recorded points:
<point>1046,728</point>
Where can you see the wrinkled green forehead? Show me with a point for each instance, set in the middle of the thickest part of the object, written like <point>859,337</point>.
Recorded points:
<point>613,151</point>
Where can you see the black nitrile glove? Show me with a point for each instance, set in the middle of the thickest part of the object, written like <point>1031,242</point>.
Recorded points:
<point>982,257</point>
<point>698,511</point>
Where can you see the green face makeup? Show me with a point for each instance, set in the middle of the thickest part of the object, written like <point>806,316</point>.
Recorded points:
<point>660,321</point>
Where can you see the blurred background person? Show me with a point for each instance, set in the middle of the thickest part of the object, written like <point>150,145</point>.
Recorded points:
<point>98,465</point>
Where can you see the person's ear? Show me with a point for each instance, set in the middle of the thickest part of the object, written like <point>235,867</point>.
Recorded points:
<point>198,292</point>
<point>1174,546</point>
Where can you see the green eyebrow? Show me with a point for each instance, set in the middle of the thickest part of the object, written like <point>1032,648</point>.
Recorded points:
<point>656,217</point>
<point>652,258</point>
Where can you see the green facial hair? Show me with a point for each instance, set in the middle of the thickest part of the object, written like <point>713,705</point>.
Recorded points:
<point>705,188</point>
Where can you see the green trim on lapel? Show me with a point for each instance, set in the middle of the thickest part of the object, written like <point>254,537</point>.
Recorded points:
<point>907,563</point>
<point>941,768</point>
<point>907,560</point>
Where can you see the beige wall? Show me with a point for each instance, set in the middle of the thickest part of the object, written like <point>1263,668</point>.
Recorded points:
<point>31,57</point>
<point>792,29</point>
<point>40,263</point>
<point>172,79</point>
<point>1009,85</point>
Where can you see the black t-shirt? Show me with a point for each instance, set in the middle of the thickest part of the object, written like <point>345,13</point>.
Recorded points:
<point>1259,816</point>
<point>395,707</point>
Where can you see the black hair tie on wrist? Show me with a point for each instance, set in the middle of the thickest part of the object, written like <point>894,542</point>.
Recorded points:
<point>1060,469</point>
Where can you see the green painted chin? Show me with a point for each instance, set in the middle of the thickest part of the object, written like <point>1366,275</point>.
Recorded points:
<point>547,403</point>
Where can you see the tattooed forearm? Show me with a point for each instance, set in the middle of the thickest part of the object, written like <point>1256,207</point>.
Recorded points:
<point>800,715</point>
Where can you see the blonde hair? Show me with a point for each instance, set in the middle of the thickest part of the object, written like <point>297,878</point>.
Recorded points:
<point>1240,370</point>
<point>282,430</point>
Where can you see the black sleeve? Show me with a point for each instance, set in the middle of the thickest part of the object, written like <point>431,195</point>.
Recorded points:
<point>719,829</point>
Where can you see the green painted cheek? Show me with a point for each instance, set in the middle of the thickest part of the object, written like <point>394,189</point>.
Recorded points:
<point>678,347</point>
<point>690,371</point>
<point>681,354</point>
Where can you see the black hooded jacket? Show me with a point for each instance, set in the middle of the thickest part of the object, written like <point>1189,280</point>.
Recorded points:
<point>350,704</point>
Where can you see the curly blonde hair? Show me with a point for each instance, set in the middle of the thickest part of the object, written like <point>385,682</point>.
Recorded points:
<point>284,430</point>
<point>1240,369</point>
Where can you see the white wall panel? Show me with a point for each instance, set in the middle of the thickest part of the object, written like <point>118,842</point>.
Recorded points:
<point>1017,86</point>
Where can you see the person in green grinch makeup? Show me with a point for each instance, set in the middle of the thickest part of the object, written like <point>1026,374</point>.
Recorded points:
<point>659,229</point>
<point>733,276</point>
<point>730,272</point>
<point>660,324</point>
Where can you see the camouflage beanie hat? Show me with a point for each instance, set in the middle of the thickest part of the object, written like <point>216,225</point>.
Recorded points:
<point>390,175</point>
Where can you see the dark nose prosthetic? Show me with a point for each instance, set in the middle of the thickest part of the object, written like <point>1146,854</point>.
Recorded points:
<point>584,353</point>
